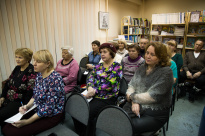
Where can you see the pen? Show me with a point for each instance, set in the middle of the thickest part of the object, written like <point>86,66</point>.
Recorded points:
<point>22,104</point>
<point>138,115</point>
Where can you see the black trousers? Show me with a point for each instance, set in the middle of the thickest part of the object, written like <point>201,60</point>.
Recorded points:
<point>199,82</point>
<point>95,107</point>
<point>8,111</point>
<point>149,121</point>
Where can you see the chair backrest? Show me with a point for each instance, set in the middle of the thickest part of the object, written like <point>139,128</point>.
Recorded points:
<point>202,124</point>
<point>79,77</point>
<point>78,107</point>
<point>83,62</point>
<point>114,121</point>
<point>123,86</point>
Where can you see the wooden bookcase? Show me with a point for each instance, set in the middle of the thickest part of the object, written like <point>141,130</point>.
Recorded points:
<point>134,28</point>
<point>189,37</point>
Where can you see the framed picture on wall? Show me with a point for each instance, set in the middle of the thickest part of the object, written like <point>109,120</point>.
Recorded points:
<point>103,20</point>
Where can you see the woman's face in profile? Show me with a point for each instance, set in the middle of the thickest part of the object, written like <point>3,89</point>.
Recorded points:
<point>95,47</point>
<point>150,56</point>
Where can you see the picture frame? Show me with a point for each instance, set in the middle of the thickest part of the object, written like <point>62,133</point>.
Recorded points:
<point>103,20</point>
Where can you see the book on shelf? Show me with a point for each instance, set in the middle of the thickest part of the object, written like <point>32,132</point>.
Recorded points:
<point>171,29</point>
<point>192,29</point>
<point>203,16</point>
<point>165,28</point>
<point>190,42</point>
<point>180,40</point>
<point>195,16</point>
<point>165,40</point>
<point>201,29</point>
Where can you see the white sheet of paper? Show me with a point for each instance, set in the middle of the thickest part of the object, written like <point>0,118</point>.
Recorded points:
<point>18,116</point>
<point>84,93</point>
<point>86,72</point>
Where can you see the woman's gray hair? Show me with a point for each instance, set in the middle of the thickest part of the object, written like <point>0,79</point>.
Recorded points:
<point>69,48</point>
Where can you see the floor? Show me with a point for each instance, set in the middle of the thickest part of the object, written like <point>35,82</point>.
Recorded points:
<point>185,120</point>
<point>186,117</point>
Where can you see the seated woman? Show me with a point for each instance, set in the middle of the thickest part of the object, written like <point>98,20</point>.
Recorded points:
<point>122,48</point>
<point>68,68</point>
<point>103,84</point>
<point>117,58</point>
<point>177,58</point>
<point>94,56</point>
<point>19,86</point>
<point>174,70</point>
<point>149,91</point>
<point>48,96</point>
<point>132,62</point>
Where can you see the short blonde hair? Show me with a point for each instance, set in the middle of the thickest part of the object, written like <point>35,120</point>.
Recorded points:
<point>69,48</point>
<point>25,52</point>
<point>44,56</point>
<point>124,42</point>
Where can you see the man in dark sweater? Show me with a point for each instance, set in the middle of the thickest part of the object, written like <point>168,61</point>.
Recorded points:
<point>194,67</point>
<point>143,43</point>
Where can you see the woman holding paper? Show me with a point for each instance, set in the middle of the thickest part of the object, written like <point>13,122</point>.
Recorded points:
<point>149,91</point>
<point>68,68</point>
<point>19,86</point>
<point>48,96</point>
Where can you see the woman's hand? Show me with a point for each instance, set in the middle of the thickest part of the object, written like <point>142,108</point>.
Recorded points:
<point>128,97</point>
<point>91,92</point>
<point>23,109</point>
<point>20,123</point>
<point>2,101</point>
<point>136,109</point>
<point>90,66</point>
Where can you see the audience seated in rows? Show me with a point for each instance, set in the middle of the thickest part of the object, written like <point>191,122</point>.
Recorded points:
<point>149,91</point>
<point>48,96</point>
<point>94,56</point>
<point>194,69</point>
<point>132,62</point>
<point>68,68</point>
<point>19,86</point>
<point>103,85</point>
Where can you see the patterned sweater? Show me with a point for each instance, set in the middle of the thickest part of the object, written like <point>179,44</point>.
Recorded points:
<point>20,85</point>
<point>106,81</point>
<point>49,95</point>
<point>130,66</point>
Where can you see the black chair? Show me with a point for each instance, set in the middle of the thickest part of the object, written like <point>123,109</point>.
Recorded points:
<point>83,62</point>
<point>113,121</point>
<point>122,92</point>
<point>76,107</point>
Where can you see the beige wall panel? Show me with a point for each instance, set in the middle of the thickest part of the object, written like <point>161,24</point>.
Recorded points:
<point>20,22</point>
<point>11,25</point>
<point>4,46</point>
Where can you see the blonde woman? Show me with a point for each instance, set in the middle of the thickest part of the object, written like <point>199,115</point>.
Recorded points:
<point>122,48</point>
<point>19,86</point>
<point>48,96</point>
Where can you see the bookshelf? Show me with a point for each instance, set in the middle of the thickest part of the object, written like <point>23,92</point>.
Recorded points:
<point>166,32</point>
<point>192,30</point>
<point>195,30</point>
<point>134,28</point>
